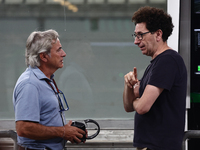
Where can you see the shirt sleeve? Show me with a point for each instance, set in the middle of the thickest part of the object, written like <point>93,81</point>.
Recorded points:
<point>164,73</point>
<point>27,106</point>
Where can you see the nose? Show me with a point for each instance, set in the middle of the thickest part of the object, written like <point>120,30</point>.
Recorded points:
<point>63,53</point>
<point>137,41</point>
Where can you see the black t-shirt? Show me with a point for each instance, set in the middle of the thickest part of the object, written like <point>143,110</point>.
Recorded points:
<point>162,128</point>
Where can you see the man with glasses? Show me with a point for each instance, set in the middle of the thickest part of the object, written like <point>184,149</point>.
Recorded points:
<point>39,104</point>
<point>159,98</point>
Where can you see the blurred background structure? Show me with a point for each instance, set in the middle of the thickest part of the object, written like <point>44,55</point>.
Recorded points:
<point>96,35</point>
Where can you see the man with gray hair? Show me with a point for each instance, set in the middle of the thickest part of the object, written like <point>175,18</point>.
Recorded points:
<point>38,103</point>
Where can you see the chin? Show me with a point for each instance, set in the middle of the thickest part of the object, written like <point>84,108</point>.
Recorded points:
<point>144,53</point>
<point>60,66</point>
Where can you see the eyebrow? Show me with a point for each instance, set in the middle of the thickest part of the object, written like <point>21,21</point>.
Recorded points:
<point>59,48</point>
<point>138,32</point>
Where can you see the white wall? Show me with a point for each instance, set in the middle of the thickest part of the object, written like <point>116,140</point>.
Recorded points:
<point>173,7</point>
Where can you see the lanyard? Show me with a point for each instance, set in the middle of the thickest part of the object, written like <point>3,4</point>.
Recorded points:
<point>57,97</point>
<point>52,86</point>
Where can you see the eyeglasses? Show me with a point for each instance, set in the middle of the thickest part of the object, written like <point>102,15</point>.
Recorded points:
<point>62,104</point>
<point>139,36</point>
<point>62,101</point>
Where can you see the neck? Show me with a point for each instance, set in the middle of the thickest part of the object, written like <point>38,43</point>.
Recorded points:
<point>46,71</point>
<point>161,49</point>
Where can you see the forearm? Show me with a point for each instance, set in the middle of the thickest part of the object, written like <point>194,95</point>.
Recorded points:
<point>37,131</point>
<point>143,104</point>
<point>128,98</point>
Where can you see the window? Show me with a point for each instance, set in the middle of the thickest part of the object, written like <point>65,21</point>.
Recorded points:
<point>99,46</point>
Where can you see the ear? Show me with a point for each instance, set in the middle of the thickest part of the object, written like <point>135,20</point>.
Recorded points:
<point>43,57</point>
<point>159,34</point>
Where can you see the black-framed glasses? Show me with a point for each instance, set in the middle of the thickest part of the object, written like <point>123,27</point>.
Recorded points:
<point>139,36</point>
<point>62,101</point>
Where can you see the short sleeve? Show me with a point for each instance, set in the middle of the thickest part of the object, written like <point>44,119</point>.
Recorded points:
<point>164,72</point>
<point>27,103</point>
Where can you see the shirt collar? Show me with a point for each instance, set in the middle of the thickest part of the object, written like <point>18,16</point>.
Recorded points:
<point>39,74</point>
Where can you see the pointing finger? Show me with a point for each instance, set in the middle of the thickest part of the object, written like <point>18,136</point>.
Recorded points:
<point>135,73</point>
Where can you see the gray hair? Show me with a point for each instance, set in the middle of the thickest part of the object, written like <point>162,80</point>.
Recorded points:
<point>39,42</point>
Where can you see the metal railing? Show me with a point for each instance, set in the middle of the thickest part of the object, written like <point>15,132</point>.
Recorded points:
<point>189,135</point>
<point>13,135</point>
<point>10,134</point>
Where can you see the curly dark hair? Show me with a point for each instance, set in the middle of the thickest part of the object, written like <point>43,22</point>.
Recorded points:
<point>155,19</point>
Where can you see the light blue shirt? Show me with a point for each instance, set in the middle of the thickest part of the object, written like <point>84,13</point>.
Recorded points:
<point>34,100</point>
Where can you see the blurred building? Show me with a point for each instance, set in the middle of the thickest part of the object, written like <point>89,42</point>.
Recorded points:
<point>96,35</point>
